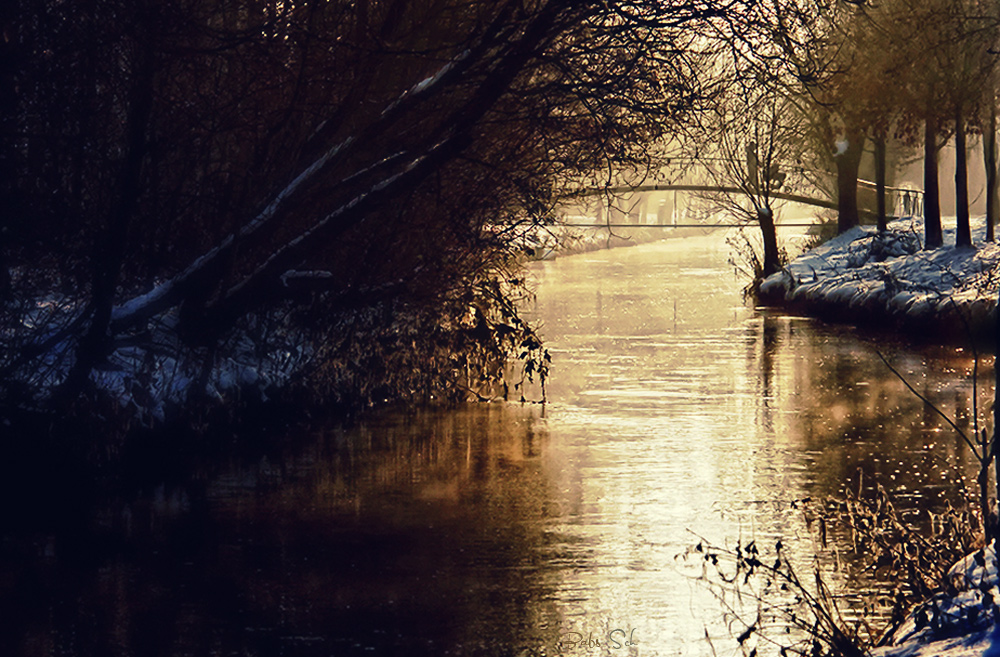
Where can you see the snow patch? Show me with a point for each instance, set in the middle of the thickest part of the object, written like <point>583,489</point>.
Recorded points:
<point>888,275</point>
<point>959,624</point>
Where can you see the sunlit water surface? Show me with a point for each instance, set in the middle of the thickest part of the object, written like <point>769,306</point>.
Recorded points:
<point>675,415</point>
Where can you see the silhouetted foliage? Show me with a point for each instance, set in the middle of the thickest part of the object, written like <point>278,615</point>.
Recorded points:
<point>206,169</point>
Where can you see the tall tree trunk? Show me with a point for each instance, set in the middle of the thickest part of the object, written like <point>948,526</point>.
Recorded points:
<point>848,161</point>
<point>109,252</point>
<point>990,155</point>
<point>880,139</point>
<point>772,261</point>
<point>963,232</point>
<point>9,197</point>
<point>933,237</point>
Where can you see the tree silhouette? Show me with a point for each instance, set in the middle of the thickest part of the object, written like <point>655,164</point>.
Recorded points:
<point>227,164</point>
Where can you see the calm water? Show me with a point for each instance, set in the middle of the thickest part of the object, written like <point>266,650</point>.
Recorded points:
<point>674,413</point>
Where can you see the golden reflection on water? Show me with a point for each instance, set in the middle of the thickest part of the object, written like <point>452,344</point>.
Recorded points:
<point>675,413</point>
<point>682,411</point>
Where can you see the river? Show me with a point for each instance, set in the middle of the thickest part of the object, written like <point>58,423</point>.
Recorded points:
<point>675,415</point>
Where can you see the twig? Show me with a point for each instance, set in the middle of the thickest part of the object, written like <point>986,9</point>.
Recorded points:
<point>934,408</point>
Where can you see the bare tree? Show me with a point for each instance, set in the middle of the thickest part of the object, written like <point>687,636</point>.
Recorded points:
<point>971,36</point>
<point>990,162</point>
<point>757,137</point>
<point>227,160</point>
<point>943,70</point>
<point>797,49</point>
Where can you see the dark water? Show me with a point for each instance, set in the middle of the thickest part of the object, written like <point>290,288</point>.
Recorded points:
<point>674,413</point>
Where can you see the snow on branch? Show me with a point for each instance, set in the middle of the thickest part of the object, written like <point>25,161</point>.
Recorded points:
<point>422,87</point>
<point>170,292</point>
<point>162,296</point>
<point>291,247</point>
<point>293,274</point>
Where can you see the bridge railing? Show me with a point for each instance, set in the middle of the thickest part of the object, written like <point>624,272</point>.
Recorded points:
<point>899,202</point>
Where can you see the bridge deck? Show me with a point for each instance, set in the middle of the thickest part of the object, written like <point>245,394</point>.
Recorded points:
<point>726,225</point>
<point>796,198</point>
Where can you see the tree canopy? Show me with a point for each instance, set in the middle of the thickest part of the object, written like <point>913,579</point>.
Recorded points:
<point>224,164</point>
<point>356,179</point>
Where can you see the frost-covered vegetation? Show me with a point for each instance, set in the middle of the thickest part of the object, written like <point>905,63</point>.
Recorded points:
<point>888,278</point>
<point>957,622</point>
<point>930,590</point>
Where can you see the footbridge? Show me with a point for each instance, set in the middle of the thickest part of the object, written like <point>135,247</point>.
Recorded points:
<point>663,206</point>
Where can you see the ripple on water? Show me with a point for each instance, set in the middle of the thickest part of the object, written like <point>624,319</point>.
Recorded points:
<point>496,529</point>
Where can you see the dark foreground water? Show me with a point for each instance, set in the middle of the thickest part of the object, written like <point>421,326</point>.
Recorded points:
<point>674,413</point>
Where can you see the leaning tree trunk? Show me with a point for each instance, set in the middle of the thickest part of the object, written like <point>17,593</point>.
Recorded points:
<point>990,155</point>
<point>848,161</point>
<point>264,282</point>
<point>963,231</point>
<point>203,271</point>
<point>933,237</point>
<point>880,139</point>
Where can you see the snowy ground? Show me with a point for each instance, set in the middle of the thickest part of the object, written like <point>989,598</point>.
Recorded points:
<point>958,624</point>
<point>861,276</point>
<point>153,371</point>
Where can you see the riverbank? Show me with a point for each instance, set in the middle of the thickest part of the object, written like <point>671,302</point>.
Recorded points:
<point>672,407</point>
<point>889,281</point>
<point>959,623</point>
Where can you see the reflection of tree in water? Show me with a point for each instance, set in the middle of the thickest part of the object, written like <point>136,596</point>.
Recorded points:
<point>421,532</point>
<point>855,426</point>
<point>768,346</point>
<point>858,419</point>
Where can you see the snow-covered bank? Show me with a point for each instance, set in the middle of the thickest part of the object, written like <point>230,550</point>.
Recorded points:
<point>149,373</point>
<point>861,276</point>
<point>359,357</point>
<point>960,623</point>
